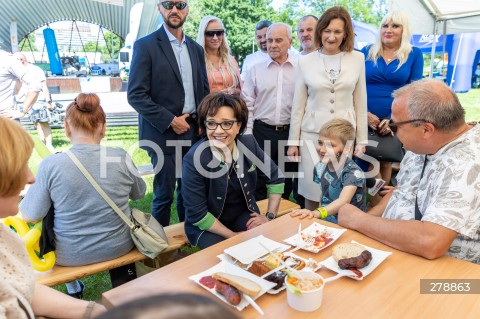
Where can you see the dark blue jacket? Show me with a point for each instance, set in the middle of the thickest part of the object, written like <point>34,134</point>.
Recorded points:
<point>204,184</point>
<point>155,88</point>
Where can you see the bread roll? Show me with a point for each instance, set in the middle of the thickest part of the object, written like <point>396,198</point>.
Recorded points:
<point>243,284</point>
<point>347,250</point>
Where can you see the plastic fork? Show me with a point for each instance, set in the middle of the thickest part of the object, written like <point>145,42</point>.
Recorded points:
<point>303,243</point>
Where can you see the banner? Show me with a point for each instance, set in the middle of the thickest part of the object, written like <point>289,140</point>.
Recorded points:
<point>14,36</point>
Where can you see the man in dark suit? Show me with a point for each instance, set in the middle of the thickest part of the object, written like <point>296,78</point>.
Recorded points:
<point>168,79</point>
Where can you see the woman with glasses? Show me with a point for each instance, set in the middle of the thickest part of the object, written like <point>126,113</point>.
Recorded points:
<point>390,63</point>
<point>87,229</point>
<point>222,69</point>
<point>220,175</point>
<point>330,84</point>
<point>20,296</point>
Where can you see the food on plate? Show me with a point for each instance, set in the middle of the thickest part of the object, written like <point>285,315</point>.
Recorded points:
<point>305,284</point>
<point>277,277</point>
<point>321,238</point>
<point>258,268</point>
<point>243,284</point>
<point>356,262</point>
<point>295,263</point>
<point>208,281</point>
<point>351,255</point>
<point>272,262</point>
<point>231,294</point>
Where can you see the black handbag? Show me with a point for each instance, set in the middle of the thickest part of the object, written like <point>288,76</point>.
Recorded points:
<point>388,149</point>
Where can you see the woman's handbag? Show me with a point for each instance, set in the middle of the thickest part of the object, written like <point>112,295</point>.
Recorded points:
<point>388,149</point>
<point>147,233</point>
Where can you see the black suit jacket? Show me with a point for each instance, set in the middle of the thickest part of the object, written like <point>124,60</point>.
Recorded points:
<point>155,88</point>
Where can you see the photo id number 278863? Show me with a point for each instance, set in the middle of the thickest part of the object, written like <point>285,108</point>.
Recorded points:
<point>450,286</point>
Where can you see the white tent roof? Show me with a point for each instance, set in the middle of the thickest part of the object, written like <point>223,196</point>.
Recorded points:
<point>111,14</point>
<point>460,16</point>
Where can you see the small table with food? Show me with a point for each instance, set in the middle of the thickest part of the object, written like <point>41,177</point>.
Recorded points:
<point>377,281</point>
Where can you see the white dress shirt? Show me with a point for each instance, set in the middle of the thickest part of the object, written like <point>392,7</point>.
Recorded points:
<point>268,92</point>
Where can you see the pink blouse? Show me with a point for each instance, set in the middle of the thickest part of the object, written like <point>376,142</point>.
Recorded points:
<point>218,84</point>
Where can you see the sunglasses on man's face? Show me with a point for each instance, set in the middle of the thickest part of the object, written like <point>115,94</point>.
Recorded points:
<point>169,5</point>
<point>394,126</point>
<point>211,34</point>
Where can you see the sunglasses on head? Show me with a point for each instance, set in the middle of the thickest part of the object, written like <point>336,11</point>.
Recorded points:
<point>394,126</point>
<point>218,33</point>
<point>169,5</point>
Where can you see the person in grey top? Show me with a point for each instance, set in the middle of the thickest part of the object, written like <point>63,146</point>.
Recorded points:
<point>435,210</point>
<point>87,230</point>
<point>11,69</point>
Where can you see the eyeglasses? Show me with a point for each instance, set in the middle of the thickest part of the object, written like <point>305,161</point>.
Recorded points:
<point>394,126</point>
<point>218,33</point>
<point>169,5</point>
<point>211,125</point>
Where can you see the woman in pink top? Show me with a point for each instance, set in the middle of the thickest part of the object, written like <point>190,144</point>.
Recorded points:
<point>222,69</point>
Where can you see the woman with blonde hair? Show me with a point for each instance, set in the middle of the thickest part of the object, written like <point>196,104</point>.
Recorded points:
<point>330,83</point>
<point>20,296</point>
<point>222,68</point>
<point>390,63</point>
<point>87,229</point>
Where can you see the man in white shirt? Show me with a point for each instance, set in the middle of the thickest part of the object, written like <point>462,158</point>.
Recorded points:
<point>43,102</point>
<point>11,70</point>
<point>305,29</point>
<point>268,92</point>
<point>261,54</point>
<point>435,209</point>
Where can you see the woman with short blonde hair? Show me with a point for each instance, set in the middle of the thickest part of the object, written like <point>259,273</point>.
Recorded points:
<point>390,63</point>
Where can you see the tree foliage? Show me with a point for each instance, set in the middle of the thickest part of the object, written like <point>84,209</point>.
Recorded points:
<point>241,16</point>
<point>28,43</point>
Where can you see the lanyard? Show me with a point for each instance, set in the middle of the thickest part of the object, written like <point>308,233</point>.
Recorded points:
<point>418,214</point>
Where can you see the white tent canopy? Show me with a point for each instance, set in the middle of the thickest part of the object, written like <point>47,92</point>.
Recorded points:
<point>441,16</point>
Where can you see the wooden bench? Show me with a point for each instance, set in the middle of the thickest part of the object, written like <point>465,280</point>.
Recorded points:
<point>59,274</point>
<point>176,239</point>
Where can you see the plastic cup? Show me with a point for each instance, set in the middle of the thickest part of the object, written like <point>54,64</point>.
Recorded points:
<point>309,300</point>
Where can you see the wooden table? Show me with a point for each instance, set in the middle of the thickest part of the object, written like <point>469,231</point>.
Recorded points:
<point>390,291</point>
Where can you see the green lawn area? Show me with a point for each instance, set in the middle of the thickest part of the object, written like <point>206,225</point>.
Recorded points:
<point>471,103</point>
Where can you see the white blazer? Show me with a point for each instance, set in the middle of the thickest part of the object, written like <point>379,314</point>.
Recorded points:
<point>317,100</point>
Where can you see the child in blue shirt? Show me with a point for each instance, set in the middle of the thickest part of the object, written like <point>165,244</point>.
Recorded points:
<point>341,180</point>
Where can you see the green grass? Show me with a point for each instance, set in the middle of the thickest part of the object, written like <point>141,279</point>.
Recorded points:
<point>471,103</point>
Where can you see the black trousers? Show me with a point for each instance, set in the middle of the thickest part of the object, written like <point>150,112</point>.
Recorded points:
<point>263,133</point>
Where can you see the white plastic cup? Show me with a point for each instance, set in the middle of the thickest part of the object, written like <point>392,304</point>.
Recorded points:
<point>309,300</point>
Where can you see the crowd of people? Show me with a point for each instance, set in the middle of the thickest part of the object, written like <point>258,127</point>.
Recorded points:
<point>289,124</point>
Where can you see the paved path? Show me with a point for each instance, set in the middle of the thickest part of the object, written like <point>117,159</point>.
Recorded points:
<point>112,102</point>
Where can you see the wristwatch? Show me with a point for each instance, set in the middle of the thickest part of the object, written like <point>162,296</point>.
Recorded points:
<point>270,216</point>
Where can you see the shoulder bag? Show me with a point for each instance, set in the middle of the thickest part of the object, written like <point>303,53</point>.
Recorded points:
<point>147,234</point>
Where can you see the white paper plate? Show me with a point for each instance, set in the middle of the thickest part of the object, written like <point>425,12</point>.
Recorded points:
<point>378,256</point>
<point>231,269</point>
<point>250,250</point>
<point>314,230</point>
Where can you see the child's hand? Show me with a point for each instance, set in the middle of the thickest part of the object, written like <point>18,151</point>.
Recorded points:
<point>302,213</point>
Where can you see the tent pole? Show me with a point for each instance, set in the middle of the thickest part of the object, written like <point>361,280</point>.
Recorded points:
<point>456,60</point>
<point>432,58</point>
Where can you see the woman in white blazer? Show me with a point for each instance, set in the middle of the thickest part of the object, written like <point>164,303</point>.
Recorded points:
<point>330,84</point>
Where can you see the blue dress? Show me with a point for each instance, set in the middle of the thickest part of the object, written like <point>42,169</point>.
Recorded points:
<point>383,79</point>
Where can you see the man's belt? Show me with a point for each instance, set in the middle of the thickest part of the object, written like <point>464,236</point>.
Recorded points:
<point>283,127</point>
